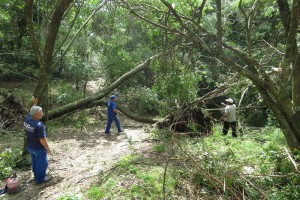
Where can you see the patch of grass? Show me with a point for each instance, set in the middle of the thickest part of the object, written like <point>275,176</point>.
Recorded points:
<point>160,148</point>
<point>11,139</point>
<point>71,196</point>
<point>95,193</point>
<point>133,178</point>
<point>124,161</point>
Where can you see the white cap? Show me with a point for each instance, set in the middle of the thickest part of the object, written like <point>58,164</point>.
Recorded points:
<point>229,100</point>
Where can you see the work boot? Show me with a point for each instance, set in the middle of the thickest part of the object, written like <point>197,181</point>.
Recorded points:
<point>47,178</point>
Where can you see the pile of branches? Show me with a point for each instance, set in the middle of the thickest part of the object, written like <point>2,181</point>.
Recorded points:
<point>189,119</point>
<point>12,110</point>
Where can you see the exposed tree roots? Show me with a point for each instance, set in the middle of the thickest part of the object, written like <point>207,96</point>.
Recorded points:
<point>188,119</point>
<point>12,110</point>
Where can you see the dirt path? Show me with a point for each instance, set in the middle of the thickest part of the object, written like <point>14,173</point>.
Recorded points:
<point>78,158</point>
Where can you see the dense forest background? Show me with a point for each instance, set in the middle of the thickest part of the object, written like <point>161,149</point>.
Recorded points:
<point>163,58</point>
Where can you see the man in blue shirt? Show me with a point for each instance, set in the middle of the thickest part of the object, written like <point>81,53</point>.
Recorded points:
<point>112,115</point>
<point>37,144</point>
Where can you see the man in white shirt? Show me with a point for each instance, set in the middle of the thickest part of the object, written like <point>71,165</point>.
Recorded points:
<point>229,117</point>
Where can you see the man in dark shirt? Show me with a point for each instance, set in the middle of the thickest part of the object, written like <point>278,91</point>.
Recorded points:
<point>112,115</point>
<point>37,144</point>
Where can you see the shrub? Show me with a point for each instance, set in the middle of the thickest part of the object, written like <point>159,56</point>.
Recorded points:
<point>10,160</point>
<point>142,100</point>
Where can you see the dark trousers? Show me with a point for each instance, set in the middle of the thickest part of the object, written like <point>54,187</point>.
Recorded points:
<point>231,125</point>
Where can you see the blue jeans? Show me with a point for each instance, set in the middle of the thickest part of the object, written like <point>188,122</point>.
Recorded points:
<point>39,163</point>
<point>112,118</point>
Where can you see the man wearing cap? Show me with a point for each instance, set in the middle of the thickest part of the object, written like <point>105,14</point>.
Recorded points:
<point>112,115</point>
<point>229,117</point>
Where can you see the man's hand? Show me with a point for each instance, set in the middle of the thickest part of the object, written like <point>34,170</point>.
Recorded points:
<point>34,100</point>
<point>119,112</point>
<point>222,119</point>
<point>49,151</point>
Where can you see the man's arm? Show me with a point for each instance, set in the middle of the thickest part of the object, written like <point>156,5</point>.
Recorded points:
<point>224,116</point>
<point>45,144</point>
<point>117,111</point>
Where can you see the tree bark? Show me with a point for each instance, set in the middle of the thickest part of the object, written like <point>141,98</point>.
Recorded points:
<point>219,26</point>
<point>45,58</point>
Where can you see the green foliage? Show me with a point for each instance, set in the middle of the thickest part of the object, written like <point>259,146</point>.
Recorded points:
<point>94,193</point>
<point>62,93</point>
<point>271,120</point>
<point>175,84</point>
<point>10,160</point>
<point>71,196</point>
<point>82,119</point>
<point>257,153</point>
<point>125,160</point>
<point>79,71</point>
<point>132,180</point>
<point>192,127</point>
<point>125,44</point>
<point>16,72</point>
<point>16,61</point>
<point>159,148</point>
<point>142,100</point>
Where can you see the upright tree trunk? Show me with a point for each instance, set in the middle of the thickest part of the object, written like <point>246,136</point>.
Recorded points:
<point>289,124</point>
<point>41,89</point>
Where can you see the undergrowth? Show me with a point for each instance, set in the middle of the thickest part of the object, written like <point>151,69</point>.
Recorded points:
<point>10,160</point>
<point>257,165</point>
<point>132,177</point>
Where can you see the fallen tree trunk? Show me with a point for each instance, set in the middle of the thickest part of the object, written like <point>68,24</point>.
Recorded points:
<point>180,120</point>
<point>125,111</point>
<point>83,103</point>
